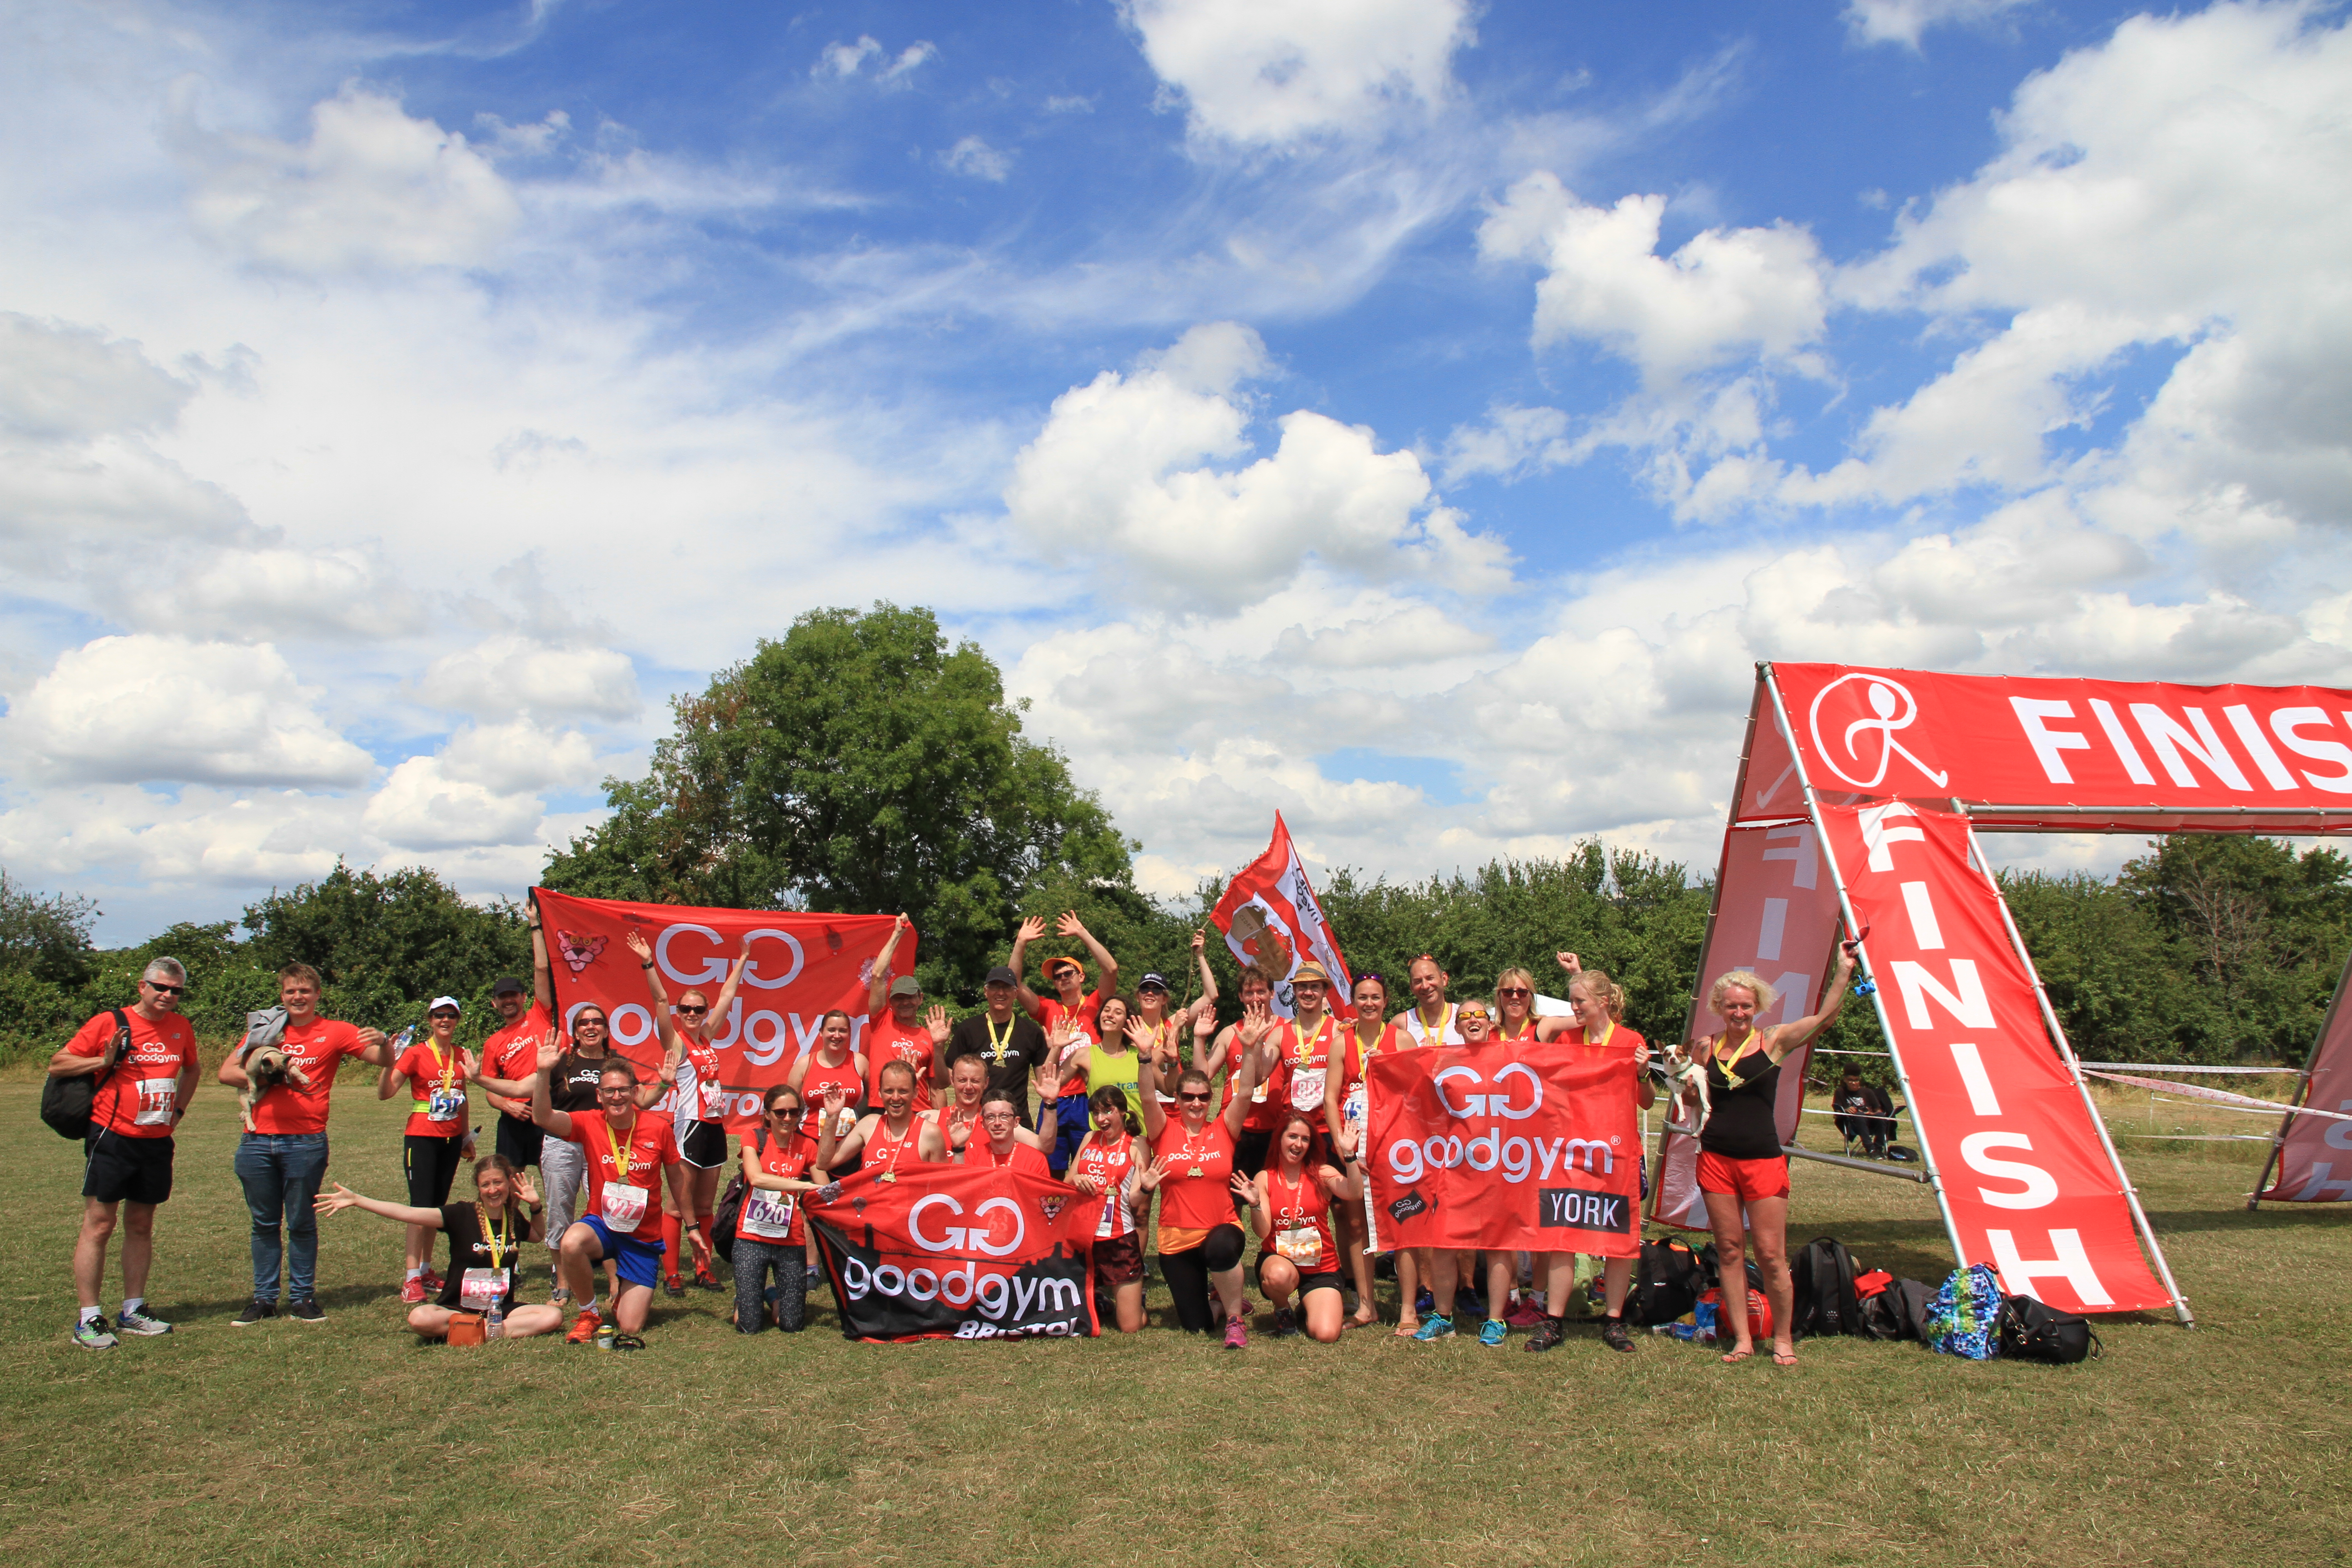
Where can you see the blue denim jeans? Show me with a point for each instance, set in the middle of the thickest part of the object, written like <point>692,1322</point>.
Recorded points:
<point>281,1173</point>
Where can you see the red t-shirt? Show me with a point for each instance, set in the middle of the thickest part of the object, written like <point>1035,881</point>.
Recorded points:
<point>512,1053</point>
<point>1197,1193</point>
<point>887,1041</point>
<point>1298,1209</point>
<point>1354,1060</point>
<point>1110,1164</point>
<point>819,1078</point>
<point>137,1098</point>
<point>1302,1076</point>
<point>650,1145</point>
<point>771,1216</point>
<point>1022,1158</point>
<point>317,1048</point>
<point>1265,1105</point>
<point>949,1118</point>
<point>428,1068</point>
<point>1049,1011</point>
<point>883,1153</point>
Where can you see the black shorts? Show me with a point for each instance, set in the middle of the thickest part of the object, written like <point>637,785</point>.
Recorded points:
<point>126,1170</point>
<point>1320,1279</point>
<point>1249,1152</point>
<point>519,1141</point>
<point>432,1165</point>
<point>704,1146</point>
<point>1118,1259</point>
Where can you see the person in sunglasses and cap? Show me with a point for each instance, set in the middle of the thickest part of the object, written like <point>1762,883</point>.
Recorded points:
<point>1071,1019</point>
<point>435,1072</point>
<point>1009,1043</point>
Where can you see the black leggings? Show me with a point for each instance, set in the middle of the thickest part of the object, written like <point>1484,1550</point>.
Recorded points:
<point>1188,1272</point>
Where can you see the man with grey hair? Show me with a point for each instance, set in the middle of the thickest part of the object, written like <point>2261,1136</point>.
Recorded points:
<point>147,1055</point>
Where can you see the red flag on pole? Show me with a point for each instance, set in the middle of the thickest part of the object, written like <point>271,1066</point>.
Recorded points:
<point>1270,918</point>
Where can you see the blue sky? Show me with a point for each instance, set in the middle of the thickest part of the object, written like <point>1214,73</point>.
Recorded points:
<point>1410,415</point>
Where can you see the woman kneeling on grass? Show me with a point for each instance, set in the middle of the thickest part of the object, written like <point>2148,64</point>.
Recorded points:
<point>1740,1165</point>
<point>1200,1239</point>
<point>486,1239</point>
<point>1291,1206</point>
<point>1104,1165</point>
<point>769,1232</point>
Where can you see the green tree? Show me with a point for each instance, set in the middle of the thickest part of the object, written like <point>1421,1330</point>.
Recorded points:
<point>44,936</point>
<point>859,764</point>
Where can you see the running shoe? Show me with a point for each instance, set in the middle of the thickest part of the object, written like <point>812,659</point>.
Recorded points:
<point>1285,1323</point>
<point>306,1309</point>
<point>1548,1335</point>
<point>1435,1327</point>
<point>255,1311</point>
<point>704,1280</point>
<point>1237,1335</point>
<point>1424,1303</point>
<point>1525,1315</point>
<point>672,1286</point>
<point>433,1282</point>
<point>1614,1334</point>
<point>138,1321</point>
<point>1493,1332</point>
<point>90,1334</point>
<point>584,1328</point>
<point>412,1291</point>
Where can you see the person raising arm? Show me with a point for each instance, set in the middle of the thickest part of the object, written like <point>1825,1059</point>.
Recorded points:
<point>895,1027</point>
<point>436,1139</point>
<point>511,1051</point>
<point>694,1104</point>
<point>1071,1000</point>
<point>1200,1239</point>
<point>486,1238</point>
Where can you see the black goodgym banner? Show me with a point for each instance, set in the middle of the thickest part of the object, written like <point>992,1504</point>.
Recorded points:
<point>957,1252</point>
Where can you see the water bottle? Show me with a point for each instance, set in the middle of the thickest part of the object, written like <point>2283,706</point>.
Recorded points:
<point>495,1327</point>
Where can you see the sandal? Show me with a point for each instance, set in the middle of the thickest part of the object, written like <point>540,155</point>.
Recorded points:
<point>1407,1328</point>
<point>1731,1356</point>
<point>1784,1358</point>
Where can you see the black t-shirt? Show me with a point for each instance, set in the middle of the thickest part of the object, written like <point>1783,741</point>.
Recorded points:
<point>1864,1099</point>
<point>1024,1050</point>
<point>573,1086</point>
<point>1741,1120</point>
<point>462,1224</point>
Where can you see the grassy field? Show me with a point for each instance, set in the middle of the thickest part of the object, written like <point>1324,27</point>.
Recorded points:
<point>348,1442</point>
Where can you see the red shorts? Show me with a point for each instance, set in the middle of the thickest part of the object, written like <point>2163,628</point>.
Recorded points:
<point>1118,1259</point>
<point>1744,1179</point>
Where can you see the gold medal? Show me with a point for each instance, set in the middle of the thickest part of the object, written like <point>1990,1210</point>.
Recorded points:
<point>1196,1172</point>
<point>887,1177</point>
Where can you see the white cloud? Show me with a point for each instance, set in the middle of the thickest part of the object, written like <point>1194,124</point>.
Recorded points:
<point>1903,21</point>
<point>1725,293</point>
<point>372,188</point>
<point>519,757</point>
<point>977,158</point>
<point>1412,635</point>
<point>1276,72</point>
<point>59,382</point>
<point>421,807</point>
<point>842,61</point>
<point>279,594</point>
<point>129,709</point>
<point>512,674</point>
<point>1122,474</point>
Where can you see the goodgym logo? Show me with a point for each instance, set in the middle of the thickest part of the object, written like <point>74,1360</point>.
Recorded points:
<point>1863,713</point>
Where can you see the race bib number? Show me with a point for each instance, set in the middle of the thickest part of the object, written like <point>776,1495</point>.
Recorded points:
<point>1351,1107</point>
<point>1306,1088</point>
<point>625,1207</point>
<point>706,1093</point>
<point>157,1096</point>
<point>766,1213</point>
<point>1257,1095</point>
<point>845,1123</point>
<point>1303,1247</point>
<point>445,1104</point>
<point>478,1288</point>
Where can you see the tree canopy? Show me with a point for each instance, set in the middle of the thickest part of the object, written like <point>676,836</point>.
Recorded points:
<point>858,765</point>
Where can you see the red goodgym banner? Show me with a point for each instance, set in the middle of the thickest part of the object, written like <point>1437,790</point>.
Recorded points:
<point>2065,754</point>
<point>802,966</point>
<point>1506,1145</point>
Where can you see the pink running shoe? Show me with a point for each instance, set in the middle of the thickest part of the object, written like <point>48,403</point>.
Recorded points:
<point>1237,1335</point>
<point>1523,1315</point>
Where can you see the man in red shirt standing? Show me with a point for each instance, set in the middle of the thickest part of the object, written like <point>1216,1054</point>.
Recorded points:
<point>511,1053</point>
<point>1066,977</point>
<point>622,1220</point>
<point>895,1030</point>
<point>282,1160</point>
<point>150,1077</point>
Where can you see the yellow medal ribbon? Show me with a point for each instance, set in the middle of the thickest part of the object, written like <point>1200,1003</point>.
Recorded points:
<point>621,1151</point>
<point>499,1243</point>
<point>999,1046</point>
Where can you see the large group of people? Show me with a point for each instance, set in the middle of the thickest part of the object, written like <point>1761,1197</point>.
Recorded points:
<point>1252,1128</point>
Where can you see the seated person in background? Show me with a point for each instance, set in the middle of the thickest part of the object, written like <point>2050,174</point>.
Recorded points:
<point>1863,1112</point>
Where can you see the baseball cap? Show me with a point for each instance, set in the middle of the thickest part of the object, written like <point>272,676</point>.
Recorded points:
<point>906,985</point>
<point>440,1002</point>
<point>1151,981</point>
<point>1000,975</point>
<point>1053,963</point>
<point>506,983</point>
<point>1310,970</point>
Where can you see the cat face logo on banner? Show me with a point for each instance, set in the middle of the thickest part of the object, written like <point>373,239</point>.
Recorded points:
<point>578,952</point>
<point>1863,713</point>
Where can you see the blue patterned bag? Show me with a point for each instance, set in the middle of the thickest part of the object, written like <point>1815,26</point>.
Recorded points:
<point>1964,1319</point>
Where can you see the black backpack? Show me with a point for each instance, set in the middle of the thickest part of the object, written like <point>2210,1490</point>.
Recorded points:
<point>1897,1312</point>
<point>1667,1283</point>
<point>67,1102</point>
<point>2032,1331</point>
<point>1823,1273</point>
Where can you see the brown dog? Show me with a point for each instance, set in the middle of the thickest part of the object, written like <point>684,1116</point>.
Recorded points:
<point>266,1067</point>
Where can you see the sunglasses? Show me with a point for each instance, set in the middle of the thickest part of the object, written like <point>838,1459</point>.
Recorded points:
<point>782,1112</point>
<point>587,1023</point>
<point>1201,1098</point>
<point>164,990</point>
<point>688,1007</point>
<point>1514,991</point>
